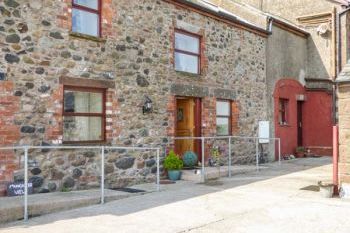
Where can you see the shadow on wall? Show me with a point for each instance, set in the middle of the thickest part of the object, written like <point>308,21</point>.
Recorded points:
<point>318,49</point>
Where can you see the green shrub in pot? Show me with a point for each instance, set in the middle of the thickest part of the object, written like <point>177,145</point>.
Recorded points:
<point>173,164</point>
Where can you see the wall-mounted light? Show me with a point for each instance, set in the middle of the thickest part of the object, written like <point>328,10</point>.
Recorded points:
<point>147,106</point>
<point>2,76</point>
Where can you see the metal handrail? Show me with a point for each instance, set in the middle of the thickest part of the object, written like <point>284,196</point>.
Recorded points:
<point>26,149</point>
<point>203,138</point>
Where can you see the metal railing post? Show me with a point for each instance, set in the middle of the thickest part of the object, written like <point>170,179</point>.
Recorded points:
<point>203,153</point>
<point>25,183</point>
<point>229,157</point>
<point>279,151</point>
<point>158,170</point>
<point>102,175</point>
<point>257,153</point>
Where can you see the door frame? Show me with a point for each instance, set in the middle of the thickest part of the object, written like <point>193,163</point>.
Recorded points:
<point>197,121</point>
<point>300,123</point>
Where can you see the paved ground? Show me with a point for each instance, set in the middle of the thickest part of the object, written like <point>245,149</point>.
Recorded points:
<point>11,208</point>
<point>269,201</point>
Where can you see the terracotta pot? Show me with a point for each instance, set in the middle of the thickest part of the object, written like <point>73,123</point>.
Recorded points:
<point>300,154</point>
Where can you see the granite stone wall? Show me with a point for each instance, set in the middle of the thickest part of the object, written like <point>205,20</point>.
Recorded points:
<point>135,53</point>
<point>344,132</point>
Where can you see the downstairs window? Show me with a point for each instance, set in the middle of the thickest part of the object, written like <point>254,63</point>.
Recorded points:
<point>84,115</point>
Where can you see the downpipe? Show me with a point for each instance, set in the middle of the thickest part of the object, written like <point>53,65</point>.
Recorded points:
<point>335,159</point>
<point>335,125</point>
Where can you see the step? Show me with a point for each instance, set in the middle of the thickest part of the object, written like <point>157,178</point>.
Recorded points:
<point>216,172</point>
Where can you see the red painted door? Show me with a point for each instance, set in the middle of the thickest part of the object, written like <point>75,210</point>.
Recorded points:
<point>300,122</point>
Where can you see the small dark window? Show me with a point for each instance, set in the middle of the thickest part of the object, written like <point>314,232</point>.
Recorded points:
<point>83,115</point>
<point>223,118</point>
<point>283,111</point>
<point>187,52</point>
<point>86,17</point>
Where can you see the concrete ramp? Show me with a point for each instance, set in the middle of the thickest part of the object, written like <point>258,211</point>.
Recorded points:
<point>11,208</point>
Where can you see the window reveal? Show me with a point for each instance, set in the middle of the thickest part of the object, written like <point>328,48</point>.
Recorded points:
<point>187,52</point>
<point>83,115</point>
<point>86,17</point>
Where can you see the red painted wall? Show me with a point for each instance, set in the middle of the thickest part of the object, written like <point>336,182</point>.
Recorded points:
<point>287,89</point>
<point>317,122</point>
<point>316,119</point>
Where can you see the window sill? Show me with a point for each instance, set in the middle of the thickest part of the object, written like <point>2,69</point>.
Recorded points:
<point>86,37</point>
<point>187,73</point>
<point>284,125</point>
<point>224,135</point>
<point>85,143</point>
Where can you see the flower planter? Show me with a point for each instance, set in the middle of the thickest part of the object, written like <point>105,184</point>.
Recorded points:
<point>174,175</point>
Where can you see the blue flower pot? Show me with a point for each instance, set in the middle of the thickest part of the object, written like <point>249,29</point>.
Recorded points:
<point>174,175</point>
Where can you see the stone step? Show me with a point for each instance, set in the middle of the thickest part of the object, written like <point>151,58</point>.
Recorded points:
<point>216,172</point>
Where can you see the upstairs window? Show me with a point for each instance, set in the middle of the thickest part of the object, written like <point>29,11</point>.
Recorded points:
<point>283,111</point>
<point>83,115</point>
<point>223,118</point>
<point>86,17</point>
<point>187,52</point>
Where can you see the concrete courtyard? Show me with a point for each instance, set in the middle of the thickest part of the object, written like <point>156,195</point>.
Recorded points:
<point>272,200</point>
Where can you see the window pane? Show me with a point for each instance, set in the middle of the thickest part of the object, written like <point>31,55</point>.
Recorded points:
<point>222,126</point>
<point>82,129</point>
<point>222,108</point>
<point>85,22</point>
<point>187,63</point>
<point>87,3</point>
<point>83,102</point>
<point>187,43</point>
<point>283,106</point>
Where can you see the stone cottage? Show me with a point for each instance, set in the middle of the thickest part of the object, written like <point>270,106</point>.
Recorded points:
<point>77,72</point>
<point>137,73</point>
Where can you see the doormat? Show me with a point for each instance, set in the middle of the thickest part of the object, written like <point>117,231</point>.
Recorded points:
<point>128,190</point>
<point>189,168</point>
<point>167,182</point>
<point>314,188</point>
<point>213,182</point>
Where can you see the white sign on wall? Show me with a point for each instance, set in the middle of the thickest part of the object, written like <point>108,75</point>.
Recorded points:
<point>264,132</point>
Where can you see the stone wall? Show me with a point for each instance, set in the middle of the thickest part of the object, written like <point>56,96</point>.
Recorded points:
<point>135,54</point>
<point>344,132</point>
<point>321,59</point>
<point>291,9</point>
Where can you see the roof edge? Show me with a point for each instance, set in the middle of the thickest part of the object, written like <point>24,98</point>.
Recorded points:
<point>289,27</point>
<point>221,16</point>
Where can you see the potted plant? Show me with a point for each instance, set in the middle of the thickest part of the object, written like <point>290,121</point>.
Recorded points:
<point>215,159</point>
<point>300,152</point>
<point>173,164</point>
<point>190,159</point>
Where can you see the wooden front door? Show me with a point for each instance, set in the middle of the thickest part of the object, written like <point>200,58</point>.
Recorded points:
<point>185,125</point>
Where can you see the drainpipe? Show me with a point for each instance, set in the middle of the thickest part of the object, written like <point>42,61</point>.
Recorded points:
<point>269,25</point>
<point>338,64</point>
